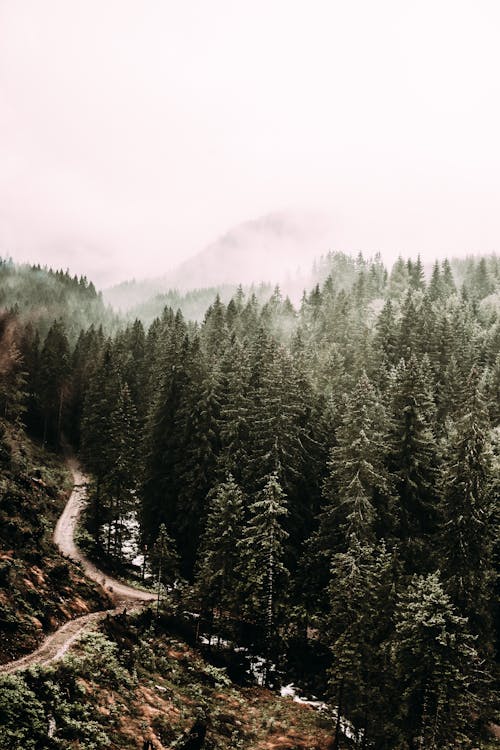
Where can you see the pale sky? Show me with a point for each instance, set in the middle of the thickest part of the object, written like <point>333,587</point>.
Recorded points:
<point>134,132</point>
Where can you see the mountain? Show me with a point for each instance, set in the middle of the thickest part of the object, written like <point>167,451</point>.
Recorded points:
<point>276,248</point>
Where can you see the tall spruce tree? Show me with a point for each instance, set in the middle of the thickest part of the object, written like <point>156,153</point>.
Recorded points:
<point>468,513</point>
<point>412,462</point>
<point>358,628</point>
<point>357,489</point>
<point>262,566</point>
<point>218,554</point>
<point>438,667</point>
<point>53,381</point>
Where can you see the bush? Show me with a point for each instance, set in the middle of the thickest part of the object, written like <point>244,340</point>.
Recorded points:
<point>22,715</point>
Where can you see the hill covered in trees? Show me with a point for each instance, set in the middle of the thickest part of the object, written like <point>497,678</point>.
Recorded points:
<point>319,484</point>
<point>41,295</point>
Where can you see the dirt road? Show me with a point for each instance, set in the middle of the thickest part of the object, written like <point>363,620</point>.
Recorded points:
<point>122,595</point>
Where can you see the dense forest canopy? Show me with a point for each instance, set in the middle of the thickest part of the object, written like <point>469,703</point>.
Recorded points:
<point>328,471</point>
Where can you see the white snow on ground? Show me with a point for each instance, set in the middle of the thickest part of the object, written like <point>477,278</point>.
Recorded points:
<point>215,641</point>
<point>130,548</point>
<point>291,691</point>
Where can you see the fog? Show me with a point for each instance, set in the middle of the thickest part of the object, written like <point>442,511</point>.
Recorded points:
<point>134,134</point>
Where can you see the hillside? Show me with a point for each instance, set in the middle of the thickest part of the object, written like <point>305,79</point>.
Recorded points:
<point>128,683</point>
<point>39,590</point>
<point>41,295</point>
<point>279,248</point>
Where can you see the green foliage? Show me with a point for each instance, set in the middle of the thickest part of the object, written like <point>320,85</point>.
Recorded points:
<point>216,574</point>
<point>22,716</point>
<point>438,667</point>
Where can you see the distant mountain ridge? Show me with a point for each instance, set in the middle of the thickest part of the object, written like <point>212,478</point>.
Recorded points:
<point>277,248</point>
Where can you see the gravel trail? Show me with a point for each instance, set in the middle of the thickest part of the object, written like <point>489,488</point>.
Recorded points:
<point>123,596</point>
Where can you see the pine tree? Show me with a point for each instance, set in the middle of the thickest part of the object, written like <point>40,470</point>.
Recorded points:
<point>277,439</point>
<point>235,412</point>
<point>386,338</point>
<point>398,279</point>
<point>54,381</point>
<point>196,463</point>
<point>218,553</point>
<point>97,438</point>
<point>447,278</point>
<point>483,284</point>
<point>416,274</point>
<point>121,480</point>
<point>438,666</point>
<point>412,461</point>
<point>262,569</point>
<point>358,628</point>
<point>467,508</point>
<point>357,489</point>
<point>436,286</point>
<point>164,440</point>
<point>164,562</point>
<point>13,383</point>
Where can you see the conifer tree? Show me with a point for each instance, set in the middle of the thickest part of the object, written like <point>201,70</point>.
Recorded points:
<point>196,462</point>
<point>357,489</point>
<point>53,380</point>
<point>447,278</point>
<point>398,279</point>
<point>436,287</point>
<point>262,568</point>
<point>438,666</point>
<point>218,553</point>
<point>164,562</point>
<point>235,412</point>
<point>416,274</point>
<point>13,383</point>
<point>96,448</point>
<point>386,338</point>
<point>121,479</point>
<point>164,440</point>
<point>412,460</point>
<point>358,628</point>
<point>467,508</point>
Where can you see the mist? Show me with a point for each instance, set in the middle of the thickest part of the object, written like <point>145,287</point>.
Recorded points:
<point>134,135</point>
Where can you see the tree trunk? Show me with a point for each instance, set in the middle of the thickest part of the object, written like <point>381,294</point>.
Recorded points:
<point>59,416</point>
<point>336,742</point>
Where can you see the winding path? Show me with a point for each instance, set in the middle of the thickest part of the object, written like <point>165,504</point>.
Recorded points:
<point>56,644</point>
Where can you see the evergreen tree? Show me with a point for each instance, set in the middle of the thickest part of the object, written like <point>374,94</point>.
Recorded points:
<point>436,286</point>
<point>398,279</point>
<point>386,339</point>
<point>13,383</point>
<point>54,381</point>
<point>416,274</point>
<point>262,569</point>
<point>412,461</point>
<point>357,488</point>
<point>447,277</point>
<point>121,480</point>
<point>235,411</point>
<point>358,629</point>
<point>438,666</point>
<point>218,554</point>
<point>467,509</point>
<point>163,446</point>
<point>164,562</point>
<point>97,438</point>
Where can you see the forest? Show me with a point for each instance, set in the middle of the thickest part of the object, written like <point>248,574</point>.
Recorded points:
<point>322,475</point>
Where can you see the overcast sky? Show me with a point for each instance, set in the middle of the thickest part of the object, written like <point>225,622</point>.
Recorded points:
<point>134,132</point>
